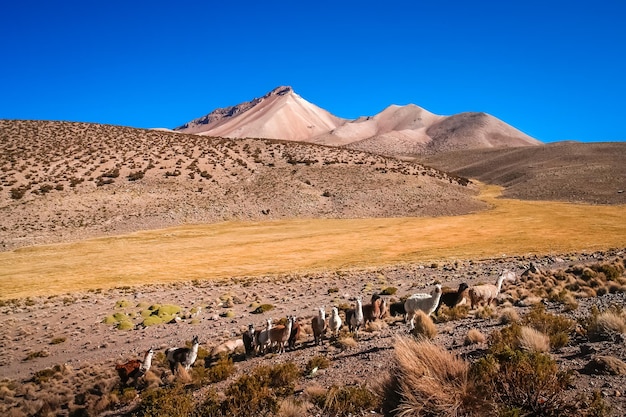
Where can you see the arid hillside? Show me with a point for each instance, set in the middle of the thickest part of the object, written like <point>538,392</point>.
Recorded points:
<point>565,171</point>
<point>67,181</point>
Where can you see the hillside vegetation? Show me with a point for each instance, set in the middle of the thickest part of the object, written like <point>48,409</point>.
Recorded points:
<point>68,181</point>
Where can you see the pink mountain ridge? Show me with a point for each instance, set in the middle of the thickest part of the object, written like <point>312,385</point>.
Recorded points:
<point>397,130</point>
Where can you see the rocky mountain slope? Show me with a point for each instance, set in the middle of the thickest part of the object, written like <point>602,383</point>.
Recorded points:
<point>396,131</point>
<point>566,171</point>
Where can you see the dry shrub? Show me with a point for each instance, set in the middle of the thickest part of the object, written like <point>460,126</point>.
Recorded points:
<point>347,342</point>
<point>533,340</point>
<point>522,383</point>
<point>424,326</point>
<point>604,325</point>
<point>428,380</point>
<point>556,327</point>
<point>456,313</point>
<point>606,365</point>
<point>257,394</point>
<point>509,315</point>
<point>319,362</point>
<point>474,336</point>
<point>171,402</point>
<point>375,326</point>
<point>484,312</point>
<point>290,407</point>
<point>348,400</point>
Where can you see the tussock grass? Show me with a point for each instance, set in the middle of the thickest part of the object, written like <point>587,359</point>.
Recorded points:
<point>428,380</point>
<point>424,326</point>
<point>311,244</point>
<point>533,340</point>
<point>474,336</point>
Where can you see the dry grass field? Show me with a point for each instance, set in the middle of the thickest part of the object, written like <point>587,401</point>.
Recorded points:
<point>231,249</point>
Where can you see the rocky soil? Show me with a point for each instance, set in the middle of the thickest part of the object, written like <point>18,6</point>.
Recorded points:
<point>31,325</point>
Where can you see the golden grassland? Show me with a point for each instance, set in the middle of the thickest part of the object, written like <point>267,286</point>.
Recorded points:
<point>237,249</point>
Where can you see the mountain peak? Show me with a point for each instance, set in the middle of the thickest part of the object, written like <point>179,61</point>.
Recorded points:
<point>280,91</point>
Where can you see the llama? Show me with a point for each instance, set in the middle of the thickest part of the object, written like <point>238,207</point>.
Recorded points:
<point>397,309</point>
<point>356,318</point>
<point>384,309</point>
<point>296,330</point>
<point>371,311</point>
<point>248,338</point>
<point>334,322</point>
<point>226,348</point>
<point>486,293</point>
<point>279,335</point>
<point>318,324</point>
<point>135,368</point>
<point>421,302</point>
<point>263,337</point>
<point>452,298</point>
<point>183,355</point>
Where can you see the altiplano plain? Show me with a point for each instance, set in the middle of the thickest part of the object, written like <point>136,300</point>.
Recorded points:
<point>104,228</point>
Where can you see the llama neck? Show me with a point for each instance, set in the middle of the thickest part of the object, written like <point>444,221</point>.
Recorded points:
<point>147,361</point>
<point>499,283</point>
<point>289,327</point>
<point>359,310</point>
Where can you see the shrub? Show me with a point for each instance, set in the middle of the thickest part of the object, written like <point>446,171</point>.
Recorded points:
<point>221,370</point>
<point>262,308</point>
<point>509,315</point>
<point>171,402</point>
<point>556,327</point>
<point>389,291</point>
<point>57,340</point>
<point>474,336</point>
<point>523,383</point>
<point>348,400</point>
<point>424,326</point>
<point>333,290</point>
<point>257,394</point>
<point>425,379</point>
<point>533,340</point>
<point>319,362</point>
<point>602,326</point>
<point>134,176</point>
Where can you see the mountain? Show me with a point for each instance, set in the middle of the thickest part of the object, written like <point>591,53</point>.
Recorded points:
<point>396,131</point>
<point>280,114</point>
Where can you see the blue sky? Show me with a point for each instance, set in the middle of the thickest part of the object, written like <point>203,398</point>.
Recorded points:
<point>554,69</point>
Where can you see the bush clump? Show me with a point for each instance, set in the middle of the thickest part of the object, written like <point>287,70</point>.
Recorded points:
<point>262,308</point>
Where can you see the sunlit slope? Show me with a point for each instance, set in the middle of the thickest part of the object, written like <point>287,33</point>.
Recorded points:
<point>247,249</point>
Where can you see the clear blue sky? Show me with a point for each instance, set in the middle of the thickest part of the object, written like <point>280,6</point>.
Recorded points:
<point>554,69</point>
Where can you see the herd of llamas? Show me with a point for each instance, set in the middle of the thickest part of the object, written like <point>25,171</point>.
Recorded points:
<point>279,337</point>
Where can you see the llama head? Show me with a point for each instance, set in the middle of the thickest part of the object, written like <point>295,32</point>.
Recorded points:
<point>195,340</point>
<point>463,287</point>
<point>437,289</point>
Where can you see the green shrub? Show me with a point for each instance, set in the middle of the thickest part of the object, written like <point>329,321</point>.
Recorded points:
<point>389,291</point>
<point>122,304</point>
<point>319,362</point>
<point>349,400</point>
<point>262,309</point>
<point>523,383</point>
<point>556,327</point>
<point>171,402</point>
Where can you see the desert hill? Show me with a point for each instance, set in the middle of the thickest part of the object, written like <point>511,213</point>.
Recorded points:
<point>64,181</point>
<point>566,171</point>
<point>396,131</point>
